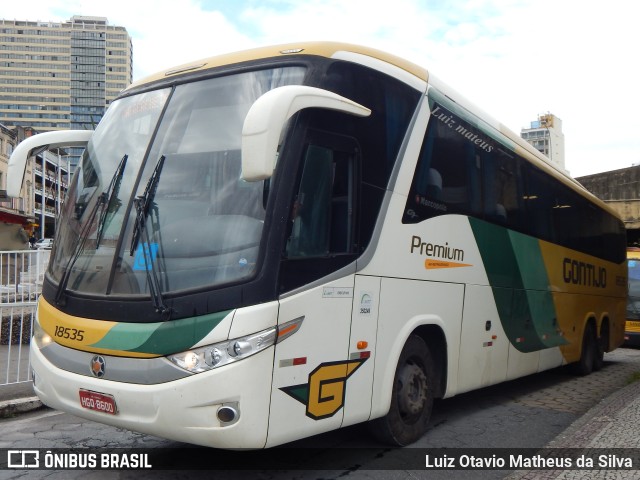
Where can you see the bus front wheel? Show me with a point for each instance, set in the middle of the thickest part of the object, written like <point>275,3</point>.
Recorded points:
<point>411,398</point>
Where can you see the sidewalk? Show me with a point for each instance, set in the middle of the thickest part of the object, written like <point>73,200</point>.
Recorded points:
<point>611,424</point>
<point>18,398</point>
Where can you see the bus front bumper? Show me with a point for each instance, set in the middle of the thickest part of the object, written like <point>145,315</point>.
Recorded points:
<point>186,410</point>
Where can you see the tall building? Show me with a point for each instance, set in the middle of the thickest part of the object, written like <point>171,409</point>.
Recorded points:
<point>56,76</point>
<point>545,134</point>
<point>53,76</point>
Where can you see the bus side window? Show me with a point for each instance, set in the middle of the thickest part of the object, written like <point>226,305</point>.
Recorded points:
<point>434,184</point>
<point>322,236</point>
<point>448,174</point>
<point>502,187</point>
<point>310,213</point>
<point>541,200</point>
<point>322,214</point>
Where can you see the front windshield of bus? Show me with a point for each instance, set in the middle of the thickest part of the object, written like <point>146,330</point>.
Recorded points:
<point>196,223</point>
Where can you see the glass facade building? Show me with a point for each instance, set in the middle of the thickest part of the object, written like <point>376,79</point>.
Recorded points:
<point>57,76</point>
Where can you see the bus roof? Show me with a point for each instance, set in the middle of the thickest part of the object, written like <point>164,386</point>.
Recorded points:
<point>323,49</point>
<point>332,49</point>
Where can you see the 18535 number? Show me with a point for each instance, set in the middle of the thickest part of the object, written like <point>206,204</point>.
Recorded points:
<point>69,333</point>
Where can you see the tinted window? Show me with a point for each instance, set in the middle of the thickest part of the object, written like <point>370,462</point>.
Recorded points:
<point>448,177</point>
<point>559,214</point>
<point>503,188</point>
<point>464,168</point>
<point>392,105</point>
<point>322,212</point>
<point>343,171</point>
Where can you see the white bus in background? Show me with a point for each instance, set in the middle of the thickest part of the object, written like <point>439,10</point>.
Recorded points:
<point>271,244</point>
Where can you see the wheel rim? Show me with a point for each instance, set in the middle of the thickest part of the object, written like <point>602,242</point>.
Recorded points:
<point>412,390</point>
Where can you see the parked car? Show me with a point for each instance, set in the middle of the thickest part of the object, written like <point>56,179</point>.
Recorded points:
<point>44,243</point>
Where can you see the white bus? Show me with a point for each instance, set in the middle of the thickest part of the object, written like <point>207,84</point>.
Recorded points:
<point>271,244</point>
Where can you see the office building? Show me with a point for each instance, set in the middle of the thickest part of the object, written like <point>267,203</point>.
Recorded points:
<point>56,76</point>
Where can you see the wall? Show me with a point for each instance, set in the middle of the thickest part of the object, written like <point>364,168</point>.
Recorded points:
<point>621,190</point>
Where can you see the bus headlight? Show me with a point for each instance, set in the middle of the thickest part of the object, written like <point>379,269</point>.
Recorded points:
<point>40,337</point>
<point>206,358</point>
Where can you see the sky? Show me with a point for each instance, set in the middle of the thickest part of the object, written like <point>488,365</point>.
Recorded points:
<point>514,59</point>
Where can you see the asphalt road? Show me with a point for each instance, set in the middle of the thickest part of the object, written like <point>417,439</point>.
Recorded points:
<point>525,413</point>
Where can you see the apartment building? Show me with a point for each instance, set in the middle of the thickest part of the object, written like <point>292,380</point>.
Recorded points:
<point>545,134</point>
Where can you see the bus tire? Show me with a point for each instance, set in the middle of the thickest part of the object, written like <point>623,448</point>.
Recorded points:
<point>603,346</point>
<point>589,353</point>
<point>411,397</point>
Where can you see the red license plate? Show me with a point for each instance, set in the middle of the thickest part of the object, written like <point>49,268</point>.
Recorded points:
<point>100,402</point>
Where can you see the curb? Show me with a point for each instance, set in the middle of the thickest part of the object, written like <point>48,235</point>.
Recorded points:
<point>8,408</point>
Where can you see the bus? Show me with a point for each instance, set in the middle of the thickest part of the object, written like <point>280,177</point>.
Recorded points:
<point>632,326</point>
<point>271,244</point>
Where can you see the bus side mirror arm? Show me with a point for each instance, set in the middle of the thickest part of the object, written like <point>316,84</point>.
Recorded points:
<point>267,116</point>
<point>18,160</point>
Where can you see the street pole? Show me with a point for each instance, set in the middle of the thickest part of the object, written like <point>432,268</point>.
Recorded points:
<point>43,203</point>
<point>55,220</point>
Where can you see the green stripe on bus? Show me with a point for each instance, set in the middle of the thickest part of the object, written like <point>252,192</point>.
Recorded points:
<point>160,338</point>
<point>520,284</point>
<point>537,288</point>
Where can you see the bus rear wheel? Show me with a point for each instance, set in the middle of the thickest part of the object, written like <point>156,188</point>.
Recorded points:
<point>590,351</point>
<point>603,346</point>
<point>411,398</point>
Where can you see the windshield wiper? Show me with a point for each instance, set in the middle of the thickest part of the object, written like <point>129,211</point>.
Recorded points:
<point>143,204</point>
<point>103,201</point>
<point>109,196</point>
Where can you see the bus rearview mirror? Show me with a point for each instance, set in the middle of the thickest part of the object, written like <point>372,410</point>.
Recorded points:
<point>267,116</point>
<point>36,144</point>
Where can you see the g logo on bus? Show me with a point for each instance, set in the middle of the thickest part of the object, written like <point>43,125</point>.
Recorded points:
<point>97,366</point>
<point>324,394</point>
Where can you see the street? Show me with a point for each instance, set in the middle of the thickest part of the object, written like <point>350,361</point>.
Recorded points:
<point>525,413</point>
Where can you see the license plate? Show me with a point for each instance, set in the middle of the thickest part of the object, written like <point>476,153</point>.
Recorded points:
<point>631,323</point>
<point>100,402</point>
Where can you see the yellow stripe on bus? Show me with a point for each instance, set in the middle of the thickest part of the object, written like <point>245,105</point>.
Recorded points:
<point>78,332</point>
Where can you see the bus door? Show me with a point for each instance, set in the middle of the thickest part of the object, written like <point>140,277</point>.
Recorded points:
<point>313,369</point>
<point>362,348</point>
